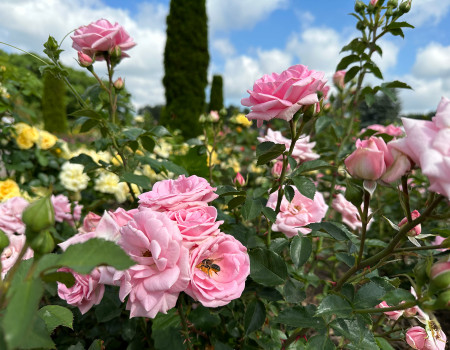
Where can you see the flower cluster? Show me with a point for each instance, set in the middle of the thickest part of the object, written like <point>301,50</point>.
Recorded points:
<point>27,136</point>
<point>175,240</point>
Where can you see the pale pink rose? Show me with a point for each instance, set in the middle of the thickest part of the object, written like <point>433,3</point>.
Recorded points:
<point>370,160</point>
<point>225,280</point>
<point>393,315</point>
<point>161,273</point>
<point>278,168</point>
<point>122,216</point>
<point>11,216</point>
<point>293,216</point>
<point>415,230</point>
<point>90,222</point>
<point>11,253</point>
<point>421,339</point>
<point>85,293</point>
<point>63,209</point>
<point>101,36</point>
<point>182,193</point>
<point>196,224</point>
<point>426,143</point>
<point>400,166</point>
<point>350,214</point>
<point>303,149</point>
<point>282,95</point>
<point>214,116</point>
<point>338,78</point>
<point>438,240</point>
<point>390,129</point>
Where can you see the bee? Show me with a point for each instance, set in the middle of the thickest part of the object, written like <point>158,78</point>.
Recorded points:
<point>208,265</point>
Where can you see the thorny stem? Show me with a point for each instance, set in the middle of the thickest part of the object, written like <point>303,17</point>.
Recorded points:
<point>184,324</point>
<point>406,197</point>
<point>299,332</point>
<point>403,306</point>
<point>412,249</point>
<point>364,226</point>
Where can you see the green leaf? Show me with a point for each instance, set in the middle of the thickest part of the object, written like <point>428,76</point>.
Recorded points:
<point>294,291</point>
<point>83,257</point>
<point>19,317</point>
<point>346,61</point>
<point>301,248</point>
<point>368,296</point>
<point>267,267</point>
<point>55,315</point>
<point>37,337</point>
<point>320,342</point>
<point>97,344</point>
<point>310,166</point>
<point>356,45</point>
<point>59,276</point>
<point>90,113</point>
<point>147,142</point>
<point>160,131</point>
<point>174,168</point>
<point>269,213</point>
<point>397,32</point>
<point>396,296</point>
<point>334,305</point>
<point>371,66</point>
<point>109,308</point>
<point>370,99</point>
<point>353,193</point>
<point>347,259</point>
<point>267,151</point>
<point>88,124</point>
<point>131,134</point>
<point>194,162</point>
<point>383,344</point>
<point>399,25</point>
<point>305,186</point>
<point>396,84</point>
<point>140,180</point>
<point>356,331</point>
<point>41,157</point>
<point>351,73</point>
<point>166,331</point>
<point>86,161</point>
<point>334,231</point>
<point>299,316</point>
<point>251,208</point>
<point>234,202</point>
<point>204,318</point>
<point>289,193</point>
<point>254,317</point>
<point>228,190</point>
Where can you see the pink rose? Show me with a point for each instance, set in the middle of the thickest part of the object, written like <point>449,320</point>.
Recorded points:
<point>421,339</point>
<point>390,129</point>
<point>85,293</point>
<point>11,216</point>
<point>282,95</point>
<point>426,143</point>
<point>196,224</point>
<point>161,272</point>
<point>11,253</point>
<point>218,268</point>
<point>278,168</point>
<point>415,230</point>
<point>90,222</point>
<point>393,315</point>
<point>399,167</point>
<point>293,216</point>
<point>63,209</point>
<point>350,214</point>
<point>373,2</point>
<point>182,193</point>
<point>239,180</point>
<point>101,36</point>
<point>303,149</point>
<point>122,216</point>
<point>84,60</point>
<point>370,160</point>
<point>438,240</point>
<point>338,78</point>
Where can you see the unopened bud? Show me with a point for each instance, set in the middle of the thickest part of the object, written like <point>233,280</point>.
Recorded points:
<point>43,243</point>
<point>443,300</point>
<point>4,240</point>
<point>115,52</point>
<point>84,60</point>
<point>39,215</point>
<point>239,180</point>
<point>213,116</point>
<point>389,12</point>
<point>392,3</point>
<point>119,84</point>
<point>440,275</point>
<point>405,7</point>
<point>359,7</point>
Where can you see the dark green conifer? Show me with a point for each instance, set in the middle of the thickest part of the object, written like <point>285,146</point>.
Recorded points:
<point>216,98</point>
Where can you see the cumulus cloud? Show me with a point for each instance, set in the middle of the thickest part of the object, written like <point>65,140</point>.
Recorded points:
<point>424,12</point>
<point>432,61</point>
<point>231,15</point>
<point>223,46</point>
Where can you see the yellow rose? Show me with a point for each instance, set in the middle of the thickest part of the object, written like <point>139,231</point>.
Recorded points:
<point>242,119</point>
<point>46,140</point>
<point>214,159</point>
<point>26,135</point>
<point>8,189</point>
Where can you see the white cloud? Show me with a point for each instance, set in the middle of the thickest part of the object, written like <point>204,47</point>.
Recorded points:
<point>389,58</point>
<point>28,23</point>
<point>432,61</point>
<point>424,12</point>
<point>223,46</point>
<point>230,15</point>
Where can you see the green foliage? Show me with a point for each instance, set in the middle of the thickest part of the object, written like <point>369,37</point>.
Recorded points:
<point>216,96</point>
<point>186,60</point>
<point>383,110</point>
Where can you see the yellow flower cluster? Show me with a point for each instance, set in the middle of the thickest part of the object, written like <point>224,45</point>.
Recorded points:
<point>8,189</point>
<point>242,120</point>
<point>27,136</point>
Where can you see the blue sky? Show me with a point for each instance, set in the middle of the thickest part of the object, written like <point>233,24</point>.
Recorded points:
<point>248,38</point>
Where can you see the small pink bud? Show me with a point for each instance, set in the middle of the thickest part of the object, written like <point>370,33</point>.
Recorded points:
<point>239,180</point>
<point>338,78</point>
<point>115,52</point>
<point>84,60</point>
<point>416,337</point>
<point>440,275</point>
<point>415,230</point>
<point>118,84</point>
<point>373,2</point>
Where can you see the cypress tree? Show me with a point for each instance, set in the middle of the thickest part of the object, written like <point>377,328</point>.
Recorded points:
<point>216,97</point>
<point>54,104</point>
<point>186,60</point>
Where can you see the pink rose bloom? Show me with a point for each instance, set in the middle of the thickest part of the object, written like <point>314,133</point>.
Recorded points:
<point>196,224</point>
<point>415,231</point>
<point>90,222</point>
<point>122,216</point>
<point>400,166</point>
<point>338,78</point>
<point>11,253</point>
<point>101,36</point>
<point>182,193</point>
<point>370,160</point>
<point>85,293</point>
<point>393,315</point>
<point>293,216</point>
<point>426,143</point>
<point>282,95</point>
<point>350,214</point>
<point>161,273</point>
<point>11,216</point>
<point>63,209</point>
<point>421,339</point>
<point>218,268</point>
<point>303,149</point>
<point>438,240</point>
<point>390,129</point>
<point>278,168</point>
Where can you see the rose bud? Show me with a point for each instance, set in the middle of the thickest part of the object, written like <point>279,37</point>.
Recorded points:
<point>84,60</point>
<point>43,243</point>
<point>416,337</point>
<point>115,52</point>
<point>39,215</point>
<point>119,84</point>
<point>398,168</point>
<point>440,275</point>
<point>239,180</point>
<point>338,78</point>
<point>415,230</point>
